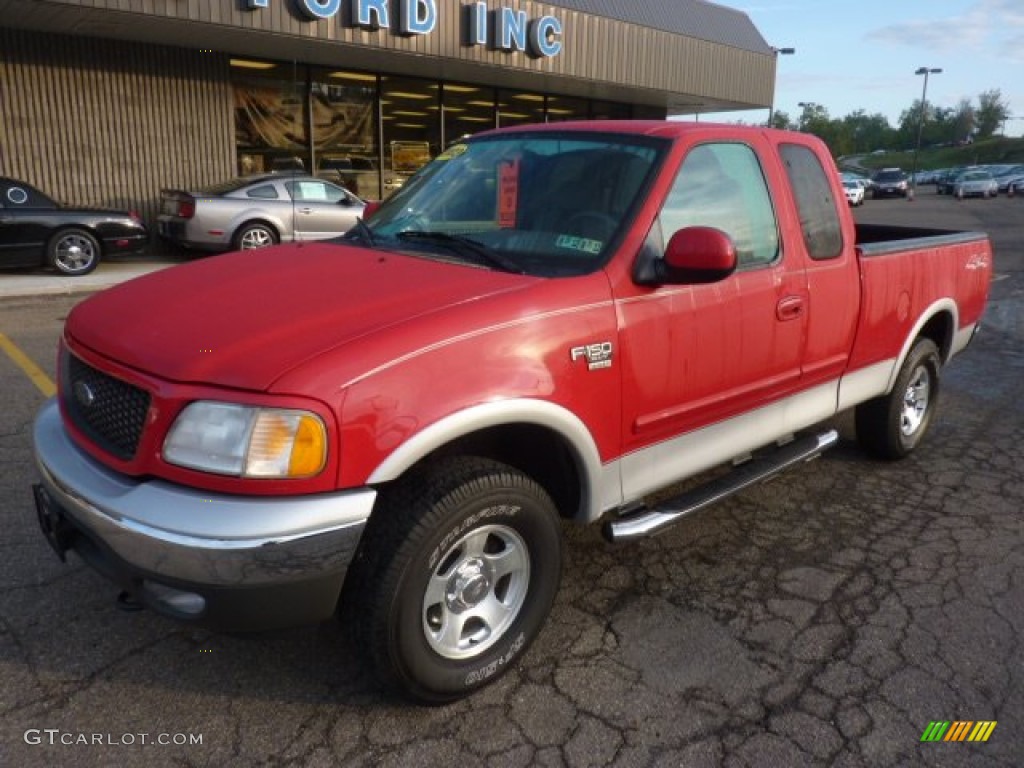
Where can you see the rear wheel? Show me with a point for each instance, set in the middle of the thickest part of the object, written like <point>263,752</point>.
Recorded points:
<point>254,234</point>
<point>455,576</point>
<point>891,426</point>
<point>73,251</point>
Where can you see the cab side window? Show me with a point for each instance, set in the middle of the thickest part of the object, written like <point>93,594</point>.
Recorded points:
<point>723,186</point>
<point>815,203</point>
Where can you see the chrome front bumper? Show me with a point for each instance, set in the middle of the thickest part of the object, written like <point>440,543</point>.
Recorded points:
<point>243,562</point>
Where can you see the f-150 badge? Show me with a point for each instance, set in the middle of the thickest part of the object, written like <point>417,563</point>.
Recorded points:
<point>599,355</point>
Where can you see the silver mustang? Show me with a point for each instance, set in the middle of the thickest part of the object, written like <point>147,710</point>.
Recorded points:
<point>257,211</point>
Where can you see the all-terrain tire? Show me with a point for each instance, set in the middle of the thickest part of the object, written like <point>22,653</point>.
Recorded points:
<point>454,578</point>
<point>892,426</point>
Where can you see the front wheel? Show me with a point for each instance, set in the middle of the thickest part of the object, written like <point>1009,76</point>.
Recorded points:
<point>891,426</point>
<point>455,577</point>
<point>73,252</point>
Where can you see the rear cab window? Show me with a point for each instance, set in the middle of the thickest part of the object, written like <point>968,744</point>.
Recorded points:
<point>815,202</point>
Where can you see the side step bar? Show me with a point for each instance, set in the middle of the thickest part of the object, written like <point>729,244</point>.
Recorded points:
<point>652,521</point>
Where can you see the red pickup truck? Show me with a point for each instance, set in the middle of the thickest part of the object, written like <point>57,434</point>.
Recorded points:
<point>546,323</point>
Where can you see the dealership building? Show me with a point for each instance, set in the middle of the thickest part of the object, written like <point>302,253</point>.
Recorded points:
<point>105,102</point>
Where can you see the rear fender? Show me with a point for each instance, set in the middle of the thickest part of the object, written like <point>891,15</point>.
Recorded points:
<point>947,346</point>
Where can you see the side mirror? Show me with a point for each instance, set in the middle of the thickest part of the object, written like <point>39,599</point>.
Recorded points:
<point>370,208</point>
<point>698,255</point>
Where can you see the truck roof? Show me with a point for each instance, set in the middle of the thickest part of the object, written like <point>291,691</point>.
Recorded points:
<point>663,128</point>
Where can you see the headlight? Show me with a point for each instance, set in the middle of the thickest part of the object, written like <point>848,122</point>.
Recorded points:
<point>247,441</point>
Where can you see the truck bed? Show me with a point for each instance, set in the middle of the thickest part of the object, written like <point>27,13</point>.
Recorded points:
<point>879,239</point>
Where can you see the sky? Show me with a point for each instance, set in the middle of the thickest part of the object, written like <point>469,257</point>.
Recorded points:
<point>863,54</point>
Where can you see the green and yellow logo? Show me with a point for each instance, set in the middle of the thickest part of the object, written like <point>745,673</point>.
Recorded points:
<point>958,730</point>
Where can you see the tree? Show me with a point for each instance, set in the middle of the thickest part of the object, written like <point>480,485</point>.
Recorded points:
<point>991,113</point>
<point>935,126</point>
<point>813,116</point>
<point>963,120</point>
<point>866,133</point>
<point>781,120</point>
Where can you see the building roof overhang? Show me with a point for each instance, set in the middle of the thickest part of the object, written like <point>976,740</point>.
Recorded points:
<point>695,56</point>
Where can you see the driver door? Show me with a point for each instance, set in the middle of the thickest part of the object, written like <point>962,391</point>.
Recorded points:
<point>322,210</point>
<point>696,355</point>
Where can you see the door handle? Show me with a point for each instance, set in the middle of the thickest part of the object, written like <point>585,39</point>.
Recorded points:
<point>790,308</point>
<point>305,210</point>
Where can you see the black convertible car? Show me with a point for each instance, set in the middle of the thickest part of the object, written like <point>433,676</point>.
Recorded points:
<point>36,231</point>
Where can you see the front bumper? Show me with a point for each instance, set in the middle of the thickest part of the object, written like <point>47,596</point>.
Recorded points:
<point>216,560</point>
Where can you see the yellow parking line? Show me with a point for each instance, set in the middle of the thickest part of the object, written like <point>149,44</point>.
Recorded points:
<point>33,371</point>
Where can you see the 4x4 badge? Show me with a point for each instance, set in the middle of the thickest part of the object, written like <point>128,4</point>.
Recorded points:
<point>598,355</point>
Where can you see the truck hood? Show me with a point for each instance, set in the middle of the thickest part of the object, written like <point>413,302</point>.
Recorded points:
<point>243,320</point>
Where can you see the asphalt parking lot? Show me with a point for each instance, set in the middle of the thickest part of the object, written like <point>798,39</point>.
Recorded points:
<point>825,618</point>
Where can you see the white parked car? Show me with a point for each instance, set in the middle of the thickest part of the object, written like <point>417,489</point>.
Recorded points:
<point>854,193</point>
<point>977,183</point>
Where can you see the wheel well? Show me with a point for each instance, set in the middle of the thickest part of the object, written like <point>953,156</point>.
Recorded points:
<point>535,451</point>
<point>250,222</point>
<point>940,330</point>
<point>77,228</point>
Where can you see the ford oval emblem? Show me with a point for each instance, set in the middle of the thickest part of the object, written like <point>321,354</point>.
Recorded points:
<point>84,394</point>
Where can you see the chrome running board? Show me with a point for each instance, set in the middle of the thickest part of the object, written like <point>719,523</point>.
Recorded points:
<point>648,522</point>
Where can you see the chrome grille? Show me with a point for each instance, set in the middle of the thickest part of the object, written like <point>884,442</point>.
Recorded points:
<point>111,412</point>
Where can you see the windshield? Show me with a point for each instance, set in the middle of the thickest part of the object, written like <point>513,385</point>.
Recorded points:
<point>540,203</point>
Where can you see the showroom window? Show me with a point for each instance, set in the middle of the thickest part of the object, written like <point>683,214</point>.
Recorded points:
<point>467,109</point>
<point>562,108</point>
<point>410,111</point>
<point>271,129</point>
<point>369,132</point>
<point>343,111</point>
<point>520,108</point>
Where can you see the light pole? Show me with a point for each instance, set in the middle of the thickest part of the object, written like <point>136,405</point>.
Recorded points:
<point>920,124</point>
<point>777,52</point>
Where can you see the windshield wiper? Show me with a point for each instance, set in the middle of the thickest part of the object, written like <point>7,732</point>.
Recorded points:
<point>464,245</point>
<point>361,231</point>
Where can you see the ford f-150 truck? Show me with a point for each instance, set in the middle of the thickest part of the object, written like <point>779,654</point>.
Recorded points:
<point>546,323</point>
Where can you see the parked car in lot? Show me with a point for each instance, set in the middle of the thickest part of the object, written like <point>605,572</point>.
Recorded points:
<point>854,193</point>
<point>1009,176</point>
<point>257,211</point>
<point>976,183</point>
<point>889,181</point>
<point>944,183</point>
<point>37,231</point>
